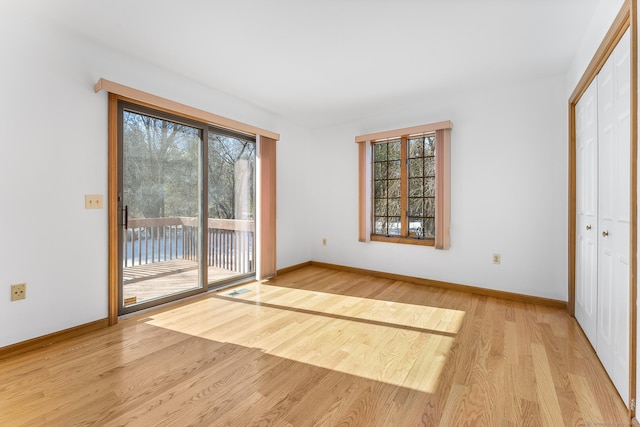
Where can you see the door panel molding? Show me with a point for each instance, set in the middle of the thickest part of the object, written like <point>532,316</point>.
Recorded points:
<point>587,211</point>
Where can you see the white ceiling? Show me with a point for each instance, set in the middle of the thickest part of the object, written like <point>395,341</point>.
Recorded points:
<point>331,61</point>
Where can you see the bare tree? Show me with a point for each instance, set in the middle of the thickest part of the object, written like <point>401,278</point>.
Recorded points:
<point>161,170</point>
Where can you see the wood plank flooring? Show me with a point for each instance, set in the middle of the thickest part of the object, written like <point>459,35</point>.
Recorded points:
<point>319,347</point>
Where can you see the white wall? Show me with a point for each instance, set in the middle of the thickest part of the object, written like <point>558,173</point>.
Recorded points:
<point>509,191</point>
<point>292,196</point>
<point>54,151</point>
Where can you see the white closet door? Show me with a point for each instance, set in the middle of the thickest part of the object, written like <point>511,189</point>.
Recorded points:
<point>586,211</point>
<point>612,343</point>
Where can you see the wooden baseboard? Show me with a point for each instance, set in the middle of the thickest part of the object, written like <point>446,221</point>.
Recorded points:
<point>446,285</point>
<point>293,268</point>
<point>47,340</point>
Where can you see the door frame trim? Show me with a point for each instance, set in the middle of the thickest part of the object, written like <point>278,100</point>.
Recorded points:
<point>113,214</point>
<point>626,19</point>
<point>182,110</point>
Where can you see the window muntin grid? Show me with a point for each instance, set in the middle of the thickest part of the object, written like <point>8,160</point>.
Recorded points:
<point>387,198</point>
<point>421,162</point>
<point>416,198</point>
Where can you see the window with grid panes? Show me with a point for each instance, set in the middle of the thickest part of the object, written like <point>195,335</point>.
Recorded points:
<point>404,187</point>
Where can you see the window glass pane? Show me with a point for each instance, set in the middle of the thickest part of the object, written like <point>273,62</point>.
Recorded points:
<point>231,202</point>
<point>394,207</point>
<point>430,146</point>
<point>430,228</point>
<point>430,166</point>
<point>380,225</point>
<point>416,148</point>
<point>394,150</point>
<point>231,177</point>
<point>416,227</point>
<point>380,189</point>
<point>415,187</point>
<point>160,167</point>
<point>430,187</point>
<point>380,170</point>
<point>380,152</point>
<point>415,206</point>
<point>394,169</point>
<point>415,167</point>
<point>394,188</point>
<point>161,187</point>
<point>381,207</point>
<point>430,207</point>
<point>394,226</point>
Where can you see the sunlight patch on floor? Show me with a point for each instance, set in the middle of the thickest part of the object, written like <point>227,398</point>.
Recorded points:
<point>392,342</point>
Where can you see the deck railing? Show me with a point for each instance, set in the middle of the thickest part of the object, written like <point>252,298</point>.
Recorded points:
<point>230,242</point>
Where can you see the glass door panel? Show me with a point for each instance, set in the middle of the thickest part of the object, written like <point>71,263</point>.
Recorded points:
<point>231,206</point>
<point>160,197</point>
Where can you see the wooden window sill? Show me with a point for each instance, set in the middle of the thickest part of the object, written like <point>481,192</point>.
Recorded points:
<point>404,240</point>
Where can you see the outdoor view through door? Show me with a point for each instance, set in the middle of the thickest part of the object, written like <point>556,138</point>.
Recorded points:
<point>187,199</point>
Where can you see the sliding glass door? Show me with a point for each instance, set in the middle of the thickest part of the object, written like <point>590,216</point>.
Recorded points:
<point>187,203</point>
<point>231,205</point>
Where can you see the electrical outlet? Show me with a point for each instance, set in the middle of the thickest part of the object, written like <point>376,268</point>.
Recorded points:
<point>495,258</point>
<point>18,291</point>
<point>93,201</point>
<point>324,241</point>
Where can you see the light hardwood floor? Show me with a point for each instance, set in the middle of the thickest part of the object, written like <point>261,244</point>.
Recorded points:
<point>320,347</point>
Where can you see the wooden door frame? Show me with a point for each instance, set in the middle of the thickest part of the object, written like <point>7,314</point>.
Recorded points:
<point>626,19</point>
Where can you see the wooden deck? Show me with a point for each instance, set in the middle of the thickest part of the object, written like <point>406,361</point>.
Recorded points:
<point>151,281</point>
